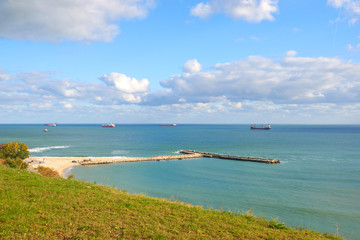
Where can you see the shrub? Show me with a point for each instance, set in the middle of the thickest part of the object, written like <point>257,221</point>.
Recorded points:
<point>275,223</point>
<point>47,172</point>
<point>15,150</point>
<point>16,163</point>
<point>71,176</point>
<point>13,154</point>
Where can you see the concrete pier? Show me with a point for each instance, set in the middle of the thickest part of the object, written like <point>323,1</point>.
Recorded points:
<point>59,164</point>
<point>214,155</point>
<point>186,154</point>
<point>107,160</point>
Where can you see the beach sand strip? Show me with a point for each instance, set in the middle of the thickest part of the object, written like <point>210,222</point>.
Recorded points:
<point>60,164</point>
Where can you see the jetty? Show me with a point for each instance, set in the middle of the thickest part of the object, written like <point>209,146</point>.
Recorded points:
<point>185,154</point>
<point>108,160</point>
<point>229,157</point>
<point>59,164</point>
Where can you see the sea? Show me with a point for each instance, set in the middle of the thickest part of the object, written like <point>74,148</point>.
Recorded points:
<point>316,186</point>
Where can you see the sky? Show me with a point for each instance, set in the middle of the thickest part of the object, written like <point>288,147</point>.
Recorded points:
<point>180,61</point>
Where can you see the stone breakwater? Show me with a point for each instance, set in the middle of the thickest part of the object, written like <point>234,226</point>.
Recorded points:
<point>229,157</point>
<point>105,160</point>
<point>186,154</point>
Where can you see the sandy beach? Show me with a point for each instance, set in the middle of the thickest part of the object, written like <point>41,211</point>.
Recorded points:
<point>60,164</point>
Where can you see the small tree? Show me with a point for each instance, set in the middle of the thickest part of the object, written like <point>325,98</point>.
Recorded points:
<point>14,153</point>
<point>15,150</point>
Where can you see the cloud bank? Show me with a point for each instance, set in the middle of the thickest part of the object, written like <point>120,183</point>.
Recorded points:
<point>293,80</point>
<point>76,20</point>
<point>46,92</point>
<point>252,11</point>
<point>290,88</point>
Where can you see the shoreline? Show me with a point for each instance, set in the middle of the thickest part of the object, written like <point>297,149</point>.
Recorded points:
<point>60,164</point>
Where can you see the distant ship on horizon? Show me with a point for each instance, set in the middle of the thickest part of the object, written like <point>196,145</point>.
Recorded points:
<point>111,125</point>
<point>168,125</point>
<point>51,124</point>
<point>262,127</point>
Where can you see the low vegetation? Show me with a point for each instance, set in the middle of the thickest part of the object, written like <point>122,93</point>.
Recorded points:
<point>37,207</point>
<point>13,154</point>
<point>47,172</point>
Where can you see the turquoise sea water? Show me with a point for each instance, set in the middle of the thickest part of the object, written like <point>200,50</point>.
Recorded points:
<point>317,185</point>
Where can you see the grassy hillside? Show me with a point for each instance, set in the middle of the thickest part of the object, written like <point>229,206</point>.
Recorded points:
<point>37,207</point>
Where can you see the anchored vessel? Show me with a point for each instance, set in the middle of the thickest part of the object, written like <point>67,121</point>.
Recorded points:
<point>111,125</point>
<point>262,127</point>
<point>168,125</point>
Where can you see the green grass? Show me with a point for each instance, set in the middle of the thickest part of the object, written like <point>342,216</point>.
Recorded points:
<point>37,207</point>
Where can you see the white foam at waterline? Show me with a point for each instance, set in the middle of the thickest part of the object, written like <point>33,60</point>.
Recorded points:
<point>43,149</point>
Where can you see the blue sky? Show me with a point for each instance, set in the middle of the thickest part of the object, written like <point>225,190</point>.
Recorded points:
<point>159,61</point>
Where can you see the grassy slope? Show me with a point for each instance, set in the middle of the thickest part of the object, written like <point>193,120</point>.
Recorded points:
<point>36,207</point>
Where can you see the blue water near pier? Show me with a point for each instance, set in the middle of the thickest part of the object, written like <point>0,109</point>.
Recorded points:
<point>317,185</point>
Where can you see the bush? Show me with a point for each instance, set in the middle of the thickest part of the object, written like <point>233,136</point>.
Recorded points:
<point>275,223</point>
<point>15,150</point>
<point>71,176</point>
<point>47,172</point>
<point>13,154</point>
<point>16,163</point>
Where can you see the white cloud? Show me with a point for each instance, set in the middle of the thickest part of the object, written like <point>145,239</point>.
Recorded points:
<point>249,10</point>
<point>201,10</point>
<point>350,7</point>
<point>68,105</point>
<point>238,105</point>
<point>77,20</point>
<point>125,84</point>
<point>338,3</point>
<point>4,77</point>
<point>192,66</point>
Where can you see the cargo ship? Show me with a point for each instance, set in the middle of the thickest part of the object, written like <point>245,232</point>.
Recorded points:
<point>51,124</point>
<point>111,125</point>
<point>168,125</point>
<point>262,127</point>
